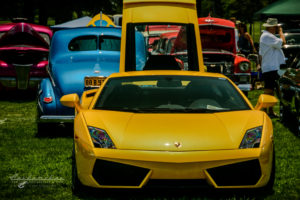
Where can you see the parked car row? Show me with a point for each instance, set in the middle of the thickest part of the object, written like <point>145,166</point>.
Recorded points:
<point>145,116</point>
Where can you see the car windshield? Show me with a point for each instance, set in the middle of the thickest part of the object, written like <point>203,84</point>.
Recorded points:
<point>165,94</point>
<point>167,47</point>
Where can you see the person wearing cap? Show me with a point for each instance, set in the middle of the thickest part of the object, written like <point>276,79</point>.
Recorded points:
<point>271,56</point>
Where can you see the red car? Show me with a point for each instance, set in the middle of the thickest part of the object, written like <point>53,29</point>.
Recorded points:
<point>218,40</point>
<point>24,50</point>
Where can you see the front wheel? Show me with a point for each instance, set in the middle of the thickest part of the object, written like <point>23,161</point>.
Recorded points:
<point>77,186</point>
<point>268,188</point>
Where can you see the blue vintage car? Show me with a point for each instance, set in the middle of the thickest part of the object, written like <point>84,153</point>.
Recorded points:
<point>80,59</point>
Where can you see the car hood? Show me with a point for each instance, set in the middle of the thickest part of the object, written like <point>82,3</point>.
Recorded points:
<point>175,132</point>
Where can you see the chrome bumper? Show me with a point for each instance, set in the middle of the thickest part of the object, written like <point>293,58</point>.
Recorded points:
<point>56,119</point>
<point>12,82</point>
<point>245,87</point>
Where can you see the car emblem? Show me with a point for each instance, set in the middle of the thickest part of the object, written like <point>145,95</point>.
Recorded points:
<point>209,20</point>
<point>177,144</point>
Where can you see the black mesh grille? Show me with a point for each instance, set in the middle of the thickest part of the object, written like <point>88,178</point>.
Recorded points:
<point>175,183</point>
<point>243,173</point>
<point>117,174</point>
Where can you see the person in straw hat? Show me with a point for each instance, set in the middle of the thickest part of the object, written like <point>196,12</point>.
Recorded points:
<point>271,56</point>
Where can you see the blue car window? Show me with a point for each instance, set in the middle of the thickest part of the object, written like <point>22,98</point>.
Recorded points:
<point>109,43</point>
<point>83,43</point>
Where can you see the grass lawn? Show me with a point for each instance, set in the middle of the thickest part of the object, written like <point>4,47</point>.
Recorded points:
<point>34,167</point>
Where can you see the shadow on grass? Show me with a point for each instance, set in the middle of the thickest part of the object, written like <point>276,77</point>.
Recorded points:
<point>291,123</point>
<point>55,130</point>
<point>171,193</point>
<point>18,95</point>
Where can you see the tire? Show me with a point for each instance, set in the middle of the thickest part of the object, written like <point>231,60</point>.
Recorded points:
<point>298,123</point>
<point>269,187</point>
<point>297,115</point>
<point>77,186</point>
<point>43,129</point>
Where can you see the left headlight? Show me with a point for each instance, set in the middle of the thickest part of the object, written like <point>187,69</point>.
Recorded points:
<point>252,138</point>
<point>100,138</point>
<point>244,66</point>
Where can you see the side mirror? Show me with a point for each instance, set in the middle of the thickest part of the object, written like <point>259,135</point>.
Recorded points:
<point>265,101</point>
<point>70,100</point>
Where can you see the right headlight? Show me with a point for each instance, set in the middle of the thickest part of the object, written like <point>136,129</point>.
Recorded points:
<point>252,138</point>
<point>244,66</point>
<point>100,138</point>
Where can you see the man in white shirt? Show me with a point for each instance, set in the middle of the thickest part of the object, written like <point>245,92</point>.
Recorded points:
<point>271,56</point>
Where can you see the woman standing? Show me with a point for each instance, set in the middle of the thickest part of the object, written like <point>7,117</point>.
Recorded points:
<point>245,43</point>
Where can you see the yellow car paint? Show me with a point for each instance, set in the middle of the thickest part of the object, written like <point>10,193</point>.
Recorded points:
<point>215,141</point>
<point>178,11</point>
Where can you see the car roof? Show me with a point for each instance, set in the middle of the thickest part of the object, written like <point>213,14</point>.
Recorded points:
<point>96,29</point>
<point>156,1</point>
<point>166,72</point>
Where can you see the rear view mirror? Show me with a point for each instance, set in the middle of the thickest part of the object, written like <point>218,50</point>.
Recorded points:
<point>265,101</point>
<point>70,100</point>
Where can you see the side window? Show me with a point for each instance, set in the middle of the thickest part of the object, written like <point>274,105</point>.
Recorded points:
<point>83,43</point>
<point>109,43</point>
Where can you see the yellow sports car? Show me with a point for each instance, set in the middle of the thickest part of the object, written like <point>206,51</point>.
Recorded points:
<point>168,121</point>
<point>147,128</point>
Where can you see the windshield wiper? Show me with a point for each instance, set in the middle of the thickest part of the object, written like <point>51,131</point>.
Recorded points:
<point>119,109</point>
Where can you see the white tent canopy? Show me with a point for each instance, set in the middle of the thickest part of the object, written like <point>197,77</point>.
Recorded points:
<point>80,22</point>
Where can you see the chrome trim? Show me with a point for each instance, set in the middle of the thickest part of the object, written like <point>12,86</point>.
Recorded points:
<point>22,71</point>
<point>240,74</point>
<point>12,82</point>
<point>56,118</point>
<point>245,87</point>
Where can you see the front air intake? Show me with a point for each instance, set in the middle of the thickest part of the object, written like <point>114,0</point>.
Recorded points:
<point>242,173</point>
<point>108,173</point>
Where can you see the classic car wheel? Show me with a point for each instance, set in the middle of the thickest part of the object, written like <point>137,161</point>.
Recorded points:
<point>298,123</point>
<point>283,112</point>
<point>43,128</point>
<point>295,111</point>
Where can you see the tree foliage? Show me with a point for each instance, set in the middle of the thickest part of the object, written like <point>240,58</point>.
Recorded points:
<point>65,10</point>
<point>242,10</point>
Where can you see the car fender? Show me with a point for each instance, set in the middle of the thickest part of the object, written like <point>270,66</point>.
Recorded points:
<point>46,91</point>
<point>238,60</point>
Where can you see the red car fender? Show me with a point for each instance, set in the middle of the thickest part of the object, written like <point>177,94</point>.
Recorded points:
<point>237,61</point>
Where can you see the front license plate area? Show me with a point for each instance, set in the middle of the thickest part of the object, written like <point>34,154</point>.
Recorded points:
<point>95,81</point>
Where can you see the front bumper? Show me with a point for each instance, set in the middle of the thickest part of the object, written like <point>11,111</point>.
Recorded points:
<point>110,168</point>
<point>245,87</point>
<point>243,81</point>
<point>11,82</point>
<point>56,119</point>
